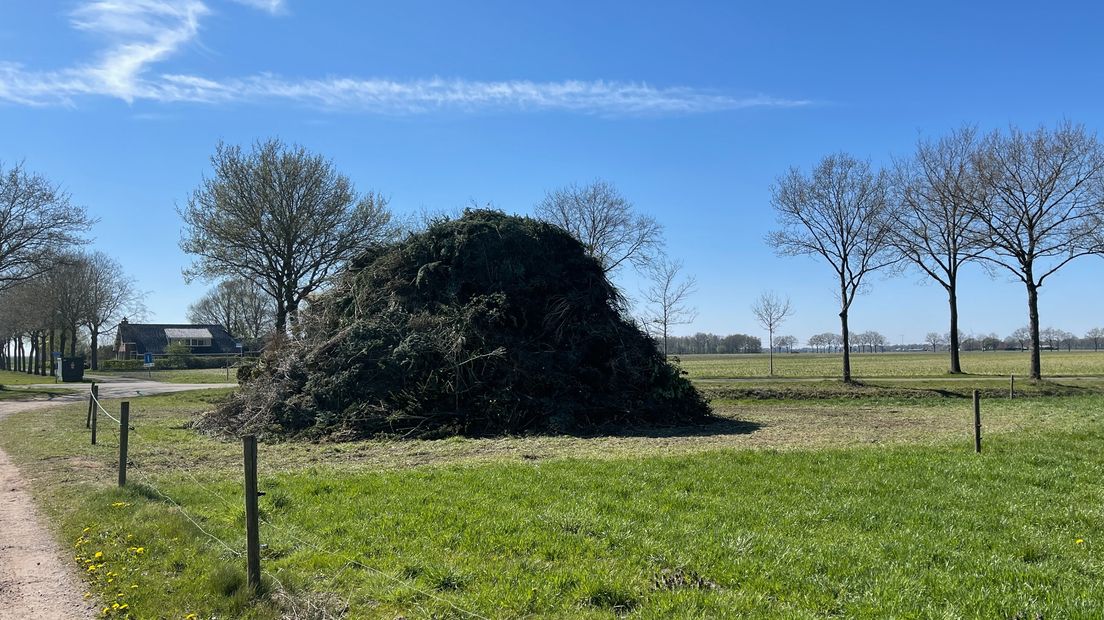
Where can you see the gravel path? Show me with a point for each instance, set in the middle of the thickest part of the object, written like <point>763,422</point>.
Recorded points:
<point>36,580</point>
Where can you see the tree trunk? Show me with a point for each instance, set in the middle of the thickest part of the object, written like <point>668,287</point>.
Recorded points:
<point>846,346</point>
<point>1033,326</point>
<point>770,339</point>
<point>280,327</point>
<point>291,308</point>
<point>95,333</point>
<point>952,300</point>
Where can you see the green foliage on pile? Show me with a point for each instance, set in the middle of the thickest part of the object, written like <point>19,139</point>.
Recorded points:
<point>481,325</point>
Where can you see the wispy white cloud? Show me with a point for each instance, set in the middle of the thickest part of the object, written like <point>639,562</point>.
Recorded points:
<point>141,33</point>
<point>276,7</point>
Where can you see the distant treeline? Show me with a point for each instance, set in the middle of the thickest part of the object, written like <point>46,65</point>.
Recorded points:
<point>712,343</point>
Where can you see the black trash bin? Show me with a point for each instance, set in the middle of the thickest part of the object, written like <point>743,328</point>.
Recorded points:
<point>72,369</point>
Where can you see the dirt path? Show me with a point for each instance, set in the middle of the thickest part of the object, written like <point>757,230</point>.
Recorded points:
<point>36,580</point>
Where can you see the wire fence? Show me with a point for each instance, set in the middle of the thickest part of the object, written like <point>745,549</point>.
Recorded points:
<point>289,531</point>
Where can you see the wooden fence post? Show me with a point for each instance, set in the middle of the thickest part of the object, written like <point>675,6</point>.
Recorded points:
<point>124,436</point>
<point>977,422</point>
<point>95,415</point>
<point>1011,386</point>
<point>91,404</point>
<point>252,534</point>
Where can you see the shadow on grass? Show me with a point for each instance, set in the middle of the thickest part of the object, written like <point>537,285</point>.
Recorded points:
<point>711,426</point>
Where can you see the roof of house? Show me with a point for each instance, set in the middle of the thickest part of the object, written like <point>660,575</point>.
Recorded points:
<point>154,337</point>
<point>188,332</point>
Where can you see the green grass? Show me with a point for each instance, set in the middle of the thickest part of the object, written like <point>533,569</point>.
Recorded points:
<point>871,365</point>
<point>8,377</point>
<point>871,507</point>
<point>12,386</point>
<point>193,376</point>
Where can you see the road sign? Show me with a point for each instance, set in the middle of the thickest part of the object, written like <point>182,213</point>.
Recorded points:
<point>149,360</point>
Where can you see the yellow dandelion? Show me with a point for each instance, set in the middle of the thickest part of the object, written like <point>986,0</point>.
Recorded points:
<point>1080,541</point>
<point>134,587</point>
<point>191,617</point>
<point>140,550</point>
<point>99,554</point>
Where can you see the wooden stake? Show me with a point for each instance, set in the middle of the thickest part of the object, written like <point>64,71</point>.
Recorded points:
<point>977,422</point>
<point>91,404</point>
<point>95,415</point>
<point>1011,386</point>
<point>124,437</point>
<point>252,533</point>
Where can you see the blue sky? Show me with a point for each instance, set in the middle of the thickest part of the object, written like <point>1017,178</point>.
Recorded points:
<point>691,109</point>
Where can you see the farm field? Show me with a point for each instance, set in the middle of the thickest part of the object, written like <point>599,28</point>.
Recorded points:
<point>871,365</point>
<point>856,504</point>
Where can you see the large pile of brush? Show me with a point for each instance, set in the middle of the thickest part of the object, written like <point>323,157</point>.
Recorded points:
<point>486,324</point>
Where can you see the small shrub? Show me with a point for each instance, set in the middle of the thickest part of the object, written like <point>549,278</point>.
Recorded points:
<point>121,365</point>
<point>177,356</point>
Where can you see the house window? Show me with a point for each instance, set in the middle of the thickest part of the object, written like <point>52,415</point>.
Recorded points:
<point>199,342</point>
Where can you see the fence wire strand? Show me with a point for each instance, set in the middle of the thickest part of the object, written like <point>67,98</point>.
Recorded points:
<point>353,561</point>
<point>232,507</point>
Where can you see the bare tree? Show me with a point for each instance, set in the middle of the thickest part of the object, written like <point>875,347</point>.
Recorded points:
<point>1023,336</point>
<point>1050,336</point>
<point>771,311</point>
<point>281,218</point>
<point>604,222</point>
<point>239,306</point>
<point>874,340</point>
<point>667,297</point>
<point>816,341</point>
<point>839,213</point>
<point>787,342</point>
<point>108,294</point>
<point>1068,339</point>
<point>1043,206</point>
<point>37,220</point>
<point>938,192</point>
<point>935,339</point>
<point>1095,335</point>
<point>66,299</point>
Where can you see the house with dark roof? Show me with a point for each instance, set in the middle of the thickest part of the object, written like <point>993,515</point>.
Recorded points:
<point>134,340</point>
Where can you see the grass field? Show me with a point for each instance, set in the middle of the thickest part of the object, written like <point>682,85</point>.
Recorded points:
<point>871,506</point>
<point>196,376</point>
<point>871,365</point>
<point>8,377</point>
<point>13,386</point>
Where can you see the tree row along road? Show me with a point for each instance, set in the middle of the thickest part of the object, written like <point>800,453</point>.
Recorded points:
<point>36,581</point>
